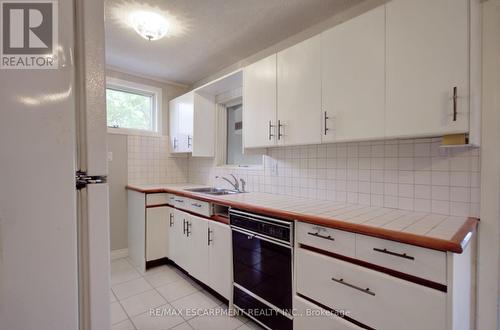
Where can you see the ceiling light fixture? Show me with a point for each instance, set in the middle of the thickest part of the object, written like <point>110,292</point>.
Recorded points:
<point>149,25</point>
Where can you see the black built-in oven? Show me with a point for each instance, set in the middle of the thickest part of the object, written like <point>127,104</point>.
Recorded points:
<point>262,266</point>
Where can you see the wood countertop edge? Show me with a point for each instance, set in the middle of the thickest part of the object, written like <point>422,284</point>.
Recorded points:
<point>456,244</point>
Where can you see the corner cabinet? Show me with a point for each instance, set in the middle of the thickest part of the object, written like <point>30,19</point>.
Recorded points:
<point>192,125</point>
<point>427,67</point>
<point>181,123</point>
<point>259,103</point>
<point>299,93</point>
<point>353,78</point>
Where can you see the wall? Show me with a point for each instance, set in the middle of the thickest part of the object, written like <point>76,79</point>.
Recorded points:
<point>143,166</point>
<point>415,175</point>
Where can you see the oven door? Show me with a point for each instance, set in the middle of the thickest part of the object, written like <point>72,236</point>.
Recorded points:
<point>263,267</point>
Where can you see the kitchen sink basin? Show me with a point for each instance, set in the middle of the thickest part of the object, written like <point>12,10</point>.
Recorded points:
<point>213,191</point>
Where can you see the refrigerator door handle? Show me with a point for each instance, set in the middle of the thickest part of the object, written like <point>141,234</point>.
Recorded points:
<point>82,179</point>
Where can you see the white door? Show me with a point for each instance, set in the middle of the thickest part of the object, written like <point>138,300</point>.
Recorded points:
<point>197,236</point>
<point>353,78</point>
<point>219,258</point>
<point>203,130</point>
<point>173,110</point>
<point>427,58</point>
<point>185,133</point>
<point>179,245</point>
<point>156,232</point>
<point>299,93</point>
<point>259,103</point>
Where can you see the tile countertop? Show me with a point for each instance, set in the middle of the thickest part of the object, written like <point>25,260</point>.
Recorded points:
<point>434,231</point>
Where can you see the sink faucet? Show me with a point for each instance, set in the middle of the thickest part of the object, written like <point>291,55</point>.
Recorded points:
<point>235,184</point>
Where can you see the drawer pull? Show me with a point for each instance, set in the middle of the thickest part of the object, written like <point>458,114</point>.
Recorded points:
<point>341,281</point>
<point>197,205</point>
<point>401,255</point>
<point>179,201</point>
<point>330,238</point>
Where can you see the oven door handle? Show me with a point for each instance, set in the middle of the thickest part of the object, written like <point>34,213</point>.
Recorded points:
<point>251,235</point>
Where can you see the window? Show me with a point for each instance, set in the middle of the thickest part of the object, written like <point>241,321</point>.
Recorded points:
<point>133,108</point>
<point>234,144</point>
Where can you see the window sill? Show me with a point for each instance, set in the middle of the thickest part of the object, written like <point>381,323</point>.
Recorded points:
<point>129,131</point>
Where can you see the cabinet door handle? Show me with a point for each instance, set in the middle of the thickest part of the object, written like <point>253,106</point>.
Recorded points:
<point>188,224</point>
<point>270,130</point>
<point>279,130</point>
<point>401,255</point>
<point>455,97</point>
<point>325,118</point>
<point>175,143</point>
<point>189,141</point>
<point>183,226</point>
<point>330,238</point>
<point>171,222</point>
<point>209,236</point>
<point>341,281</point>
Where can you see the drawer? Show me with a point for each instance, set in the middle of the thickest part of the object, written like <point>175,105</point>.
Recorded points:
<point>378,300</point>
<point>311,316</point>
<point>199,207</point>
<point>421,262</point>
<point>332,240</point>
<point>181,202</point>
<point>156,199</point>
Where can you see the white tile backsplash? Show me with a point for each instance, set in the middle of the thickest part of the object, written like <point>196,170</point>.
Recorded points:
<point>413,174</point>
<point>150,162</point>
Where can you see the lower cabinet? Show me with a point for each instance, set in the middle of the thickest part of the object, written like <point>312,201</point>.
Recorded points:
<point>156,232</point>
<point>372,298</point>
<point>310,316</point>
<point>202,248</point>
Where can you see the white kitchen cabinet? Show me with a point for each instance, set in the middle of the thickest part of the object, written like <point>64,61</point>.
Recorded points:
<point>156,232</point>
<point>203,134</point>
<point>299,93</point>
<point>197,247</point>
<point>427,59</point>
<point>259,103</point>
<point>174,233</point>
<point>219,258</point>
<point>178,248</point>
<point>181,123</point>
<point>353,78</point>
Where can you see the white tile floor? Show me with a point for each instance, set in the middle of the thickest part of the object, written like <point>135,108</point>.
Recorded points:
<point>172,295</point>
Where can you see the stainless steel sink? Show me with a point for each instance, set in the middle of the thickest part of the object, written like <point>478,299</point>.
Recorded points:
<point>213,191</point>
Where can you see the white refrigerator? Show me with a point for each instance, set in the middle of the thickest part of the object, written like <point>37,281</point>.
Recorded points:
<point>54,238</point>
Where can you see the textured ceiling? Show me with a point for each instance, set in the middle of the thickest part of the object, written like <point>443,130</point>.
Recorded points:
<point>207,35</point>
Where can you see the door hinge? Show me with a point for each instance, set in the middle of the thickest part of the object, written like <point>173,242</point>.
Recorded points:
<point>82,179</point>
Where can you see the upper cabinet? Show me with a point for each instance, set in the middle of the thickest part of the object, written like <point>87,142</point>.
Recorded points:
<point>427,67</point>
<point>259,103</point>
<point>181,123</point>
<point>299,93</point>
<point>353,79</point>
<point>192,125</point>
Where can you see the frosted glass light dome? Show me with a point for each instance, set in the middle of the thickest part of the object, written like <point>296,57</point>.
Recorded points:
<point>149,25</point>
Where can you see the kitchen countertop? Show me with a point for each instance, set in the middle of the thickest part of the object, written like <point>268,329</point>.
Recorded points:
<point>434,231</point>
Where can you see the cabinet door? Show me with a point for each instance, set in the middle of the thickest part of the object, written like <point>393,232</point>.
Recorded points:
<point>156,233</point>
<point>173,229</point>
<point>197,248</point>
<point>427,57</point>
<point>203,143</point>
<point>173,111</point>
<point>219,258</point>
<point>353,78</point>
<point>178,243</point>
<point>299,93</point>
<point>259,103</point>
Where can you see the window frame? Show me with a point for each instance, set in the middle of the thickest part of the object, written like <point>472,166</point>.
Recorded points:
<point>221,160</point>
<point>146,90</point>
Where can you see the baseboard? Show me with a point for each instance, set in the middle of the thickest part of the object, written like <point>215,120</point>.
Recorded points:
<point>117,254</point>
